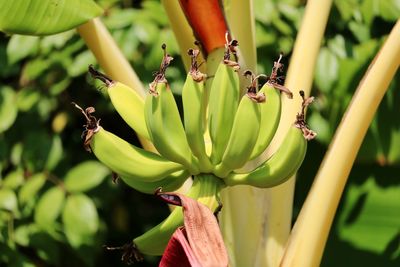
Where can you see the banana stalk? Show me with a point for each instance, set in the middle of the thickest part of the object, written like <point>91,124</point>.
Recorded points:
<point>307,242</point>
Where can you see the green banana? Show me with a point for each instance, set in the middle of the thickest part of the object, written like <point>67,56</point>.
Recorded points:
<point>194,106</point>
<point>270,116</point>
<point>278,168</point>
<point>126,101</point>
<point>164,123</point>
<point>205,189</point>
<point>243,136</point>
<point>223,103</point>
<point>129,161</point>
<point>168,184</point>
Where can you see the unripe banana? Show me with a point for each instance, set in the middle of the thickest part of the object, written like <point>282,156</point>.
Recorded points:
<point>126,101</point>
<point>278,168</point>
<point>205,189</point>
<point>165,125</point>
<point>168,184</point>
<point>270,116</point>
<point>223,103</point>
<point>194,106</point>
<point>243,137</point>
<point>128,161</point>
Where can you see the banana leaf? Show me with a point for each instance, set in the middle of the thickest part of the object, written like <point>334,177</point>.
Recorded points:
<point>45,17</point>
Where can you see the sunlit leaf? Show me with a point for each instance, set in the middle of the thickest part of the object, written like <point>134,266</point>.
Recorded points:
<point>338,46</point>
<point>360,31</point>
<point>21,46</point>
<point>49,207</point>
<point>326,70</point>
<point>8,107</point>
<point>31,187</point>
<point>16,153</point>
<point>14,179</point>
<point>389,9</point>
<point>81,63</point>
<point>321,126</point>
<point>81,221</point>
<point>43,17</point>
<point>55,153</point>
<point>8,200</point>
<point>85,176</point>
<point>27,98</point>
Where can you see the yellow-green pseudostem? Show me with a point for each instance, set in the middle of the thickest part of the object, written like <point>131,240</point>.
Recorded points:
<point>311,230</point>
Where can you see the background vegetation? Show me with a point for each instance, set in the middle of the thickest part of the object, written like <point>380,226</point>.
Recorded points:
<point>58,205</point>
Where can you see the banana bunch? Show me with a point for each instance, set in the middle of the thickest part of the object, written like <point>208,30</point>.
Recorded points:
<point>240,127</point>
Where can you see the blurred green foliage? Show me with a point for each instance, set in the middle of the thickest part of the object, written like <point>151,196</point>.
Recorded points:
<point>58,206</point>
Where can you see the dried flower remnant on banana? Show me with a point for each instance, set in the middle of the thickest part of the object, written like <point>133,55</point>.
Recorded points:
<point>252,92</point>
<point>194,66</point>
<point>159,76</point>
<point>300,118</point>
<point>91,126</point>
<point>274,79</point>
<point>230,50</point>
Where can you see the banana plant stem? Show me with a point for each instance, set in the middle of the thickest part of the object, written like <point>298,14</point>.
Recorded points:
<point>306,244</point>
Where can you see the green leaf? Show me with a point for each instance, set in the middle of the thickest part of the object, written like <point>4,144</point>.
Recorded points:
<point>81,63</point>
<point>326,70</point>
<point>338,46</point>
<point>19,47</point>
<point>85,176</point>
<point>31,187</point>
<point>369,9</point>
<point>56,41</point>
<point>370,219</point>
<point>16,153</point>
<point>389,9</point>
<point>321,126</point>
<point>30,235</point>
<point>346,8</point>
<point>49,207</point>
<point>45,17</point>
<point>35,68</point>
<point>8,107</point>
<point>42,151</point>
<point>27,98</point>
<point>14,179</point>
<point>55,153</point>
<point>360,31</point>
<point>8,200</point>
<point>81,221</point>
